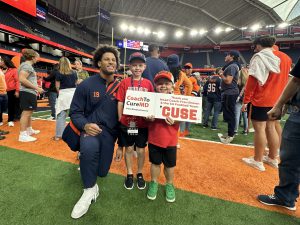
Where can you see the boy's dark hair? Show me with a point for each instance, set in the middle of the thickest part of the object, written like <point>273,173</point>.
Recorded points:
<point>101,49</point>
<point>265,41</point>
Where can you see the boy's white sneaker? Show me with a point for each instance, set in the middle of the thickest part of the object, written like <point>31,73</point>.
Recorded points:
<point>11,124</point>
<point>271,162</point>
<point>255,164</point>
<point>26,138</point>
<point>82,206</point>
<point>32,131</point>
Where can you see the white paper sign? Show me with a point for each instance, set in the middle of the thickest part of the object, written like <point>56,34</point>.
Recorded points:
<point>178,107</point>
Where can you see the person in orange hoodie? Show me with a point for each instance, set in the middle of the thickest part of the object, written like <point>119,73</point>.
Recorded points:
<point>268,75</point>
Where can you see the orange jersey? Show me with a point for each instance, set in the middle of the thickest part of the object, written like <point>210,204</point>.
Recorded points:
<point>268,94</point>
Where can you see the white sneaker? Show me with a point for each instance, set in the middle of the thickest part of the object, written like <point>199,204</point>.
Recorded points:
<point>251,162</point>
<point>82,206</point>
<point>271,162</point>
<point>11,124</point>
<point>1,123</point>
<point>32,131</point>
<point>26,138</point>
<point>225,140</point>
<point>251,130</point>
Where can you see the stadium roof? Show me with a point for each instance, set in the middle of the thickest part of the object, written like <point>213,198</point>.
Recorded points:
<point>148,19</point>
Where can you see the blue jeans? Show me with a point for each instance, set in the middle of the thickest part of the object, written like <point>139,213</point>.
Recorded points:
<point>3,106</point>
<point>185,126</point>
<point>289,167</point>
<point>60,123</point>
<point>217,108</point>
<point>238,107</point>
<point>52,100</point>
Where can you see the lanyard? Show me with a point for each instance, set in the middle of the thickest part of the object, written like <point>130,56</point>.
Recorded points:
<point>139,84</point>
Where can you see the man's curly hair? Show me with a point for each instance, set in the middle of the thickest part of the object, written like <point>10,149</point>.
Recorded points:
<point>101,49</point>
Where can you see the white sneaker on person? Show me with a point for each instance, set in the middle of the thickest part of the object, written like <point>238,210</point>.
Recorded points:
<point>255,164</point>
<point>271,162</point>
<point>251,130</point>
<point>224,139</point>
<point>11,124</point>
<point>82,206</point>
<point>26,138</point>
<point>1,123</point>
<point>31,131</point>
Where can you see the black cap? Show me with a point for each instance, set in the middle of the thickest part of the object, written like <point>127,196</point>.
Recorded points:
<point>137,55</point>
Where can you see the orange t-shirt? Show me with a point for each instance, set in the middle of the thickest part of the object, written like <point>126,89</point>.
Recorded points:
<point>268,94</point>
<point>185,81</point>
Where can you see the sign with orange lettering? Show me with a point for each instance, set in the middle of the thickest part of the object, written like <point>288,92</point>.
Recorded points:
<point>178,107</point>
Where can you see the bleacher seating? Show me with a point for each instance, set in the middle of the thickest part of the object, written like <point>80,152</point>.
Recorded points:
<point>197,59</point>
<point>217,58</point>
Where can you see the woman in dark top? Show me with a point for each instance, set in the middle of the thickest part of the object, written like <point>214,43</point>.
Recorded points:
<point>65,82</point>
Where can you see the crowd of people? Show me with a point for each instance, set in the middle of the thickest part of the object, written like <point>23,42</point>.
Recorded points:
<point>256,92</point>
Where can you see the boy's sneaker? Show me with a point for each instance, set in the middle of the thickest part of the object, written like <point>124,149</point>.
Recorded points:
<point>214,128</point>
<point>11,124</point>
<point>271,162</point>
<point>244,132</point>
<point>255,164</point>
<point>26,138</point>
<point>170,193</point>
<point>225,140</point>
<point>32,131</point>
<point>82,206</point>
<point>128,183</point>
<point>152,190</point>
<point>141,184</point>
<point>3,132</point>
<point>273,200</point>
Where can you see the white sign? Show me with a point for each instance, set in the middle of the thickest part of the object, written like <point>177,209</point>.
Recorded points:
<point>178,107</point>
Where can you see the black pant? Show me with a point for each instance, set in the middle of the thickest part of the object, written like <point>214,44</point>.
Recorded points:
<point>13,107</point>
<point>228,105</point>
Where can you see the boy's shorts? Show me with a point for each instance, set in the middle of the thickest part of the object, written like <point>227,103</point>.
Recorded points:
<point>158,155</point>
<point>139,140</point>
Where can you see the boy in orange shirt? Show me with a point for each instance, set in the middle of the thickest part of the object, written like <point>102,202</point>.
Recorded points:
<point>162,141</point>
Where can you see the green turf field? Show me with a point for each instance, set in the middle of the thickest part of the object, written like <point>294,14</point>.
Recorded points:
<point>36,190</point>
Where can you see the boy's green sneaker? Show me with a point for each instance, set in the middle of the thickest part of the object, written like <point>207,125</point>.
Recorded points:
<point>152,190</point>
<point>170,193</point>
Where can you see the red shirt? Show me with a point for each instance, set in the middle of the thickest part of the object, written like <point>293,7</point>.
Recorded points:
<point>12,79</point>
<point>141,85</point>
<point>268,94</point>
<point>163,135</point>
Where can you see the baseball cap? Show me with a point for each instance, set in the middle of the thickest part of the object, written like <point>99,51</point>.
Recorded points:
<point>234,53</point>
<point>164,74</point>
<point>173,60</point>
<point>137,55</point>
<point>188,65</point>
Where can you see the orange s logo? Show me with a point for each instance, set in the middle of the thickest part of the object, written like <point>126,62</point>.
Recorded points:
<point>96,94</point>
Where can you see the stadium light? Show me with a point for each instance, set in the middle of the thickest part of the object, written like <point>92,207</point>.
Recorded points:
<point>228,29</point>
<point>218,30</point>
<point>244,28</point>
<point>132,28</point>
<point>178,34</point>
<point>160,34</point>
<point>147,31</point>
<point>270,26</point>
<point>283,25</point>
<point>255,27</point>
<point>140,30</point>
<point>193,32</point>
<point>124,27</point>
<point>202,31</point>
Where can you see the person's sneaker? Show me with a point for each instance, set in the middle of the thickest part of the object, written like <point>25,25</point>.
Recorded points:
<point>244,132</point>
<point>51,118</point>
<point>255,164</point>
<point>1,123</point>
<point>214,128</point>
<point>32,131</point>
<point>2,137</point>
<point>273,200</point>
<point>3,132</point>
<point>128,183</point>
<point>26,138</point>
<point>11,124</point>
<point>271,162</point>
<point>140,182</point>
<point>152,190</point>
<point>226,140</point>
<point>170,193</point>
<point>178,146</point>
<point>251,130</point>
<point>82,206</point>
<point>205,126</point>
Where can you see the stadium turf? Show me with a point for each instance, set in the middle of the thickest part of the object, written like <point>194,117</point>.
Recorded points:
<point>40,190</point>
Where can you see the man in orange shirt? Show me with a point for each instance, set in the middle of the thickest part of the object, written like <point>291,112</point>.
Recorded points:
<point>268,75</point>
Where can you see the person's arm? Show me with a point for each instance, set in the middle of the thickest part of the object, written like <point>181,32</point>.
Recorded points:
<point>249,90</point>
<point>25,82</point>
<point>120,109</point>
<point>289,91</point>
<point>16,78</point>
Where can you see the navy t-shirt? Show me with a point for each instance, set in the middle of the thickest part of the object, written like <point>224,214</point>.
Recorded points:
<point>66,80</point>
<point>295,116</point>
<point>154,66</point>
<point>231,89</point>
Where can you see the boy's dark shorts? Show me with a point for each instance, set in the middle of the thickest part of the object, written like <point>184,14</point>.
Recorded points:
<point>139,140</point>
<point>260,113</point>
<point>28,101</point>
<point>158,155</point>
